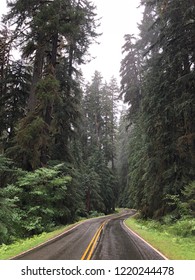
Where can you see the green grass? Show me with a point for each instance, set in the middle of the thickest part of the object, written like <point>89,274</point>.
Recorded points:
<point>9,251</point>
<point>168,239</point>
<point>21,245</point>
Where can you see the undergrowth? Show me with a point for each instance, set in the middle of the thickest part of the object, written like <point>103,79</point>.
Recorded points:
<point>175,240</point>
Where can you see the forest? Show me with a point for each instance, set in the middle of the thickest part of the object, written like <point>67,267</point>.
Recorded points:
<point>63,152</point>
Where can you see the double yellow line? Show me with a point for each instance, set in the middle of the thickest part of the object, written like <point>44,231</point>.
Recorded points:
<point>91,247</point>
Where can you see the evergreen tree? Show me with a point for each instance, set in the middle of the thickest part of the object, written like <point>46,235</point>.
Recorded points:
<point>92,107</point>
<point>130,73</point>
<point>163,125</point>
<point>122,163</point>
<point>57,33</point>
<point>166,86</point>
<point>109,110</point>
<point>15,84</point>
<point>98,137</point>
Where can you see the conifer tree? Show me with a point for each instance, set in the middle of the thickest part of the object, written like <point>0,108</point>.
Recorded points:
<point>15,83</point>
<point>56,33</point>
<point>130,73</point>
<point>98,137</point>
<point>164,120</point>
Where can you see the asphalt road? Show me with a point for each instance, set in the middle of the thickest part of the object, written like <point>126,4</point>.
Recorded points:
<point>115,242</point>
<point>118,243</point>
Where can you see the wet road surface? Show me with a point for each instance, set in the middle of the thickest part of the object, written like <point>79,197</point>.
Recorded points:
<point>118,243</point>
<point>115,242</point>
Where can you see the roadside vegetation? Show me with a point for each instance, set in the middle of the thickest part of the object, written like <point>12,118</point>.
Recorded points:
<point>57,134</point>
<point>21,245</point>
<point>63,153</point>
<point>174,240</point>
<point>156,141</point>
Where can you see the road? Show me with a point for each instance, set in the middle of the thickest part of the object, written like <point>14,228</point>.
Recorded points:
<point>104,238</point>
<point>118,243</point>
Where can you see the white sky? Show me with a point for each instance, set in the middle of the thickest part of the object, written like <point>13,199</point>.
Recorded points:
<point>119,17</point>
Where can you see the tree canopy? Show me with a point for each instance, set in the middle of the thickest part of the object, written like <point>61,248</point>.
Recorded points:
<point>157,80</point>
<point>64,153</point>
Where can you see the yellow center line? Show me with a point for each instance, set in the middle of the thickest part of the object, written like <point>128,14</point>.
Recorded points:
<point>90,248</point>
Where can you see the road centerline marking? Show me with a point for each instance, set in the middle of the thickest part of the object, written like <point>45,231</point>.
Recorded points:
<point>91,247</point>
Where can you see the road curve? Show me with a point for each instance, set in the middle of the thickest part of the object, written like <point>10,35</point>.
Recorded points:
<point>114,242</point>
<point>69,246</point>
<point>117,242</point>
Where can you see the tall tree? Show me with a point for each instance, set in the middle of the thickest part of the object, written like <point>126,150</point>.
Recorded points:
<point>98,138</point>
<point>109,111</point>
<point>130,73</point>
<point>166,110</point>
<point>57,33</point>
<point>15,83</point>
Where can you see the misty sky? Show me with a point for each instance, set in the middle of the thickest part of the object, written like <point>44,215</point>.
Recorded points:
<point>118,17</point>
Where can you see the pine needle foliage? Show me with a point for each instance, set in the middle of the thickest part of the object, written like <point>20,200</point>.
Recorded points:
<point>161,159</point>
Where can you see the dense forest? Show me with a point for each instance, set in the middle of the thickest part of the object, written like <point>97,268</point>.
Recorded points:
<point>158,83</point>
<point>63,152</point>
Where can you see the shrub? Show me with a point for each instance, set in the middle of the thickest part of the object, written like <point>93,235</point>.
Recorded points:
<point>189,199</point>
<point>184,228</point>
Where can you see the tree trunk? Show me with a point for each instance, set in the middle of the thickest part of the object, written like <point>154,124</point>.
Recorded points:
<point>88,200</point>
<point>37,74</point>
